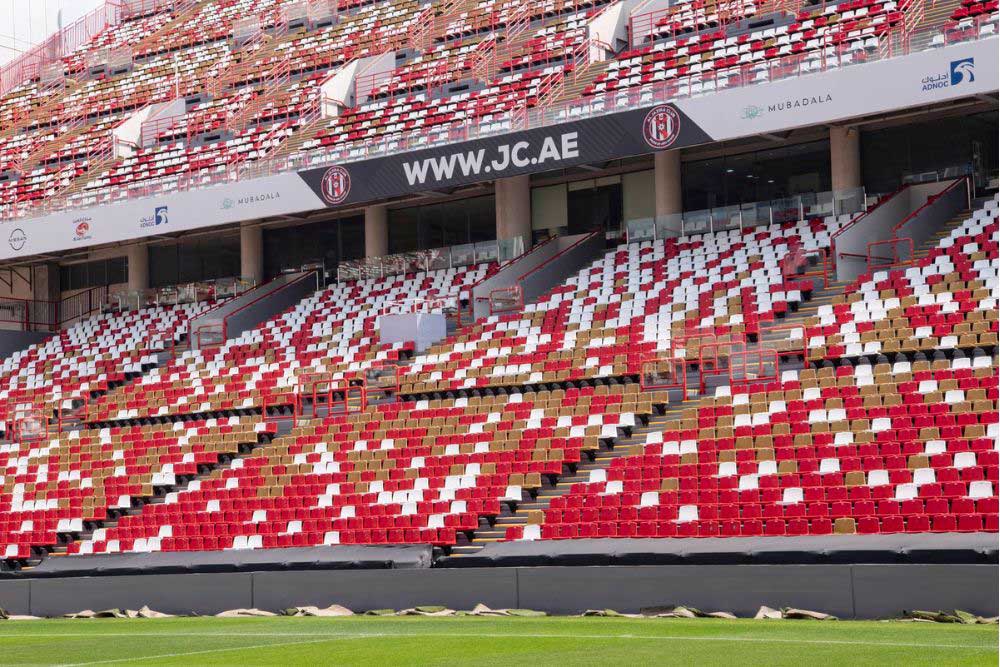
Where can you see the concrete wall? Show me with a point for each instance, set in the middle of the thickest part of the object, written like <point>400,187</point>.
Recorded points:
<point>848,591</point>
<point>15,341</point>
<point>852,245</point>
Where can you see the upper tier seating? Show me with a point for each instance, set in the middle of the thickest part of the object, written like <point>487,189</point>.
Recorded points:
<point>412,472</point>
<point>332,332</point>
<point>866,449</point>
<point>691,47</point>
<point>638,301</point>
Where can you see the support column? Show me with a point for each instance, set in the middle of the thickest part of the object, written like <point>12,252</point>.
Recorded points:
<point>252,254</point>
<point>667,180</point>
<point>376,231</point>
<point>513,209</point>
<point>845,158</point>
<point>45,282</point>
<point>138,266</point>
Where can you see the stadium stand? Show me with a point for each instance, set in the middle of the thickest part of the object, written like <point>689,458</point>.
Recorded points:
<point>721,375</point>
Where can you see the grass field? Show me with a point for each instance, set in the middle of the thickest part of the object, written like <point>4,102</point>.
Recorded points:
<point>491,641</point>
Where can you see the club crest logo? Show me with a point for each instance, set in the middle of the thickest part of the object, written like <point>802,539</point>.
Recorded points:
<point>661,127</point>
<point>336,185</point>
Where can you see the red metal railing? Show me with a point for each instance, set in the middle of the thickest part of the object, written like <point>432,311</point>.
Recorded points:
<point>506,299</point>
<point>930,200</point>
<point>29,64</point>
<point>779,328</point>
<point>663,373</point>
<point>225,320</point>
<point>209,337</point>
<point>874,261</point>
<point>747,367</point>
<point>30,425</point>
<point>858,218</point>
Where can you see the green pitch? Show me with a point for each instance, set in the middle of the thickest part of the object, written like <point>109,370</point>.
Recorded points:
<point>528,642</point>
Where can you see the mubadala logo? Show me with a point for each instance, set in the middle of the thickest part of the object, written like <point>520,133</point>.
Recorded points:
<point>752,111</point>
<point>17,239</point>
<point>799,102</point>
<point>161,216</point>
<point>963,71</point>
<point>229,203</point>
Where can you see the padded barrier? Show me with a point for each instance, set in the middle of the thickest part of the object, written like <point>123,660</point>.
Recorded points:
<point>954,548</point>
<point>847,591</point>
<point>346,557</point>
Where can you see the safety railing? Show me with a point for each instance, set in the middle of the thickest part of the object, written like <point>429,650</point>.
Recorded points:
<point>714,360</point>
<point>418,305</point>
<point>430,260</point>
<point>506,299</point>
<point>876,258</point>
<point>753,366</point>
<point>747,215</point>
<point>29,425</point>
<point>836,56</point>
<point>209,337</point>
<point>663,374</point>
<point>178,294</point>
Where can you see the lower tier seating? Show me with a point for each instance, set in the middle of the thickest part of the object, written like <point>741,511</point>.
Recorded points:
<point>416,472</point>
<point>865,449</point>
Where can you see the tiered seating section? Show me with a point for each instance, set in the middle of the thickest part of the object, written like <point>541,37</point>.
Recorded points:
<point>639,301</point>
<point>866,449</point>
<point>687,55</point>
<point>330,334</point>
<point>406,472</point>
<point>56,488</point>
<point>90,358</point>
<point>947,300</point>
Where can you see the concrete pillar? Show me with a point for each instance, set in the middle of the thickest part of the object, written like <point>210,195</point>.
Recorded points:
<point>138,266</point>
<point>376,231</point>
<point>45,282</point>
<point>667,181</point>
<point>513,207</point>
<point>845,158</point>
<point>252,253</point>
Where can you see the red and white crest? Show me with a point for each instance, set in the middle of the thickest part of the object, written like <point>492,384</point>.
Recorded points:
<point>661,127</point>
<point>336,185</point>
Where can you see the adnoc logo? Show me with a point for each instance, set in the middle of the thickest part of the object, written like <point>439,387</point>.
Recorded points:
<point>963,71</point>
<point>336,185</point>
<point>161,216</point>
<point>661,127</point>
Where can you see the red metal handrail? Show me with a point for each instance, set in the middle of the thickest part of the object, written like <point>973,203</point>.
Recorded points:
<point>225,319</point>
<point>894,260</point>
<point>514,294</point>
<point>753,372</point>
<point>856,219</point>
<point>205,331</point>
<point>930,200</point>
<point>674,370</point>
